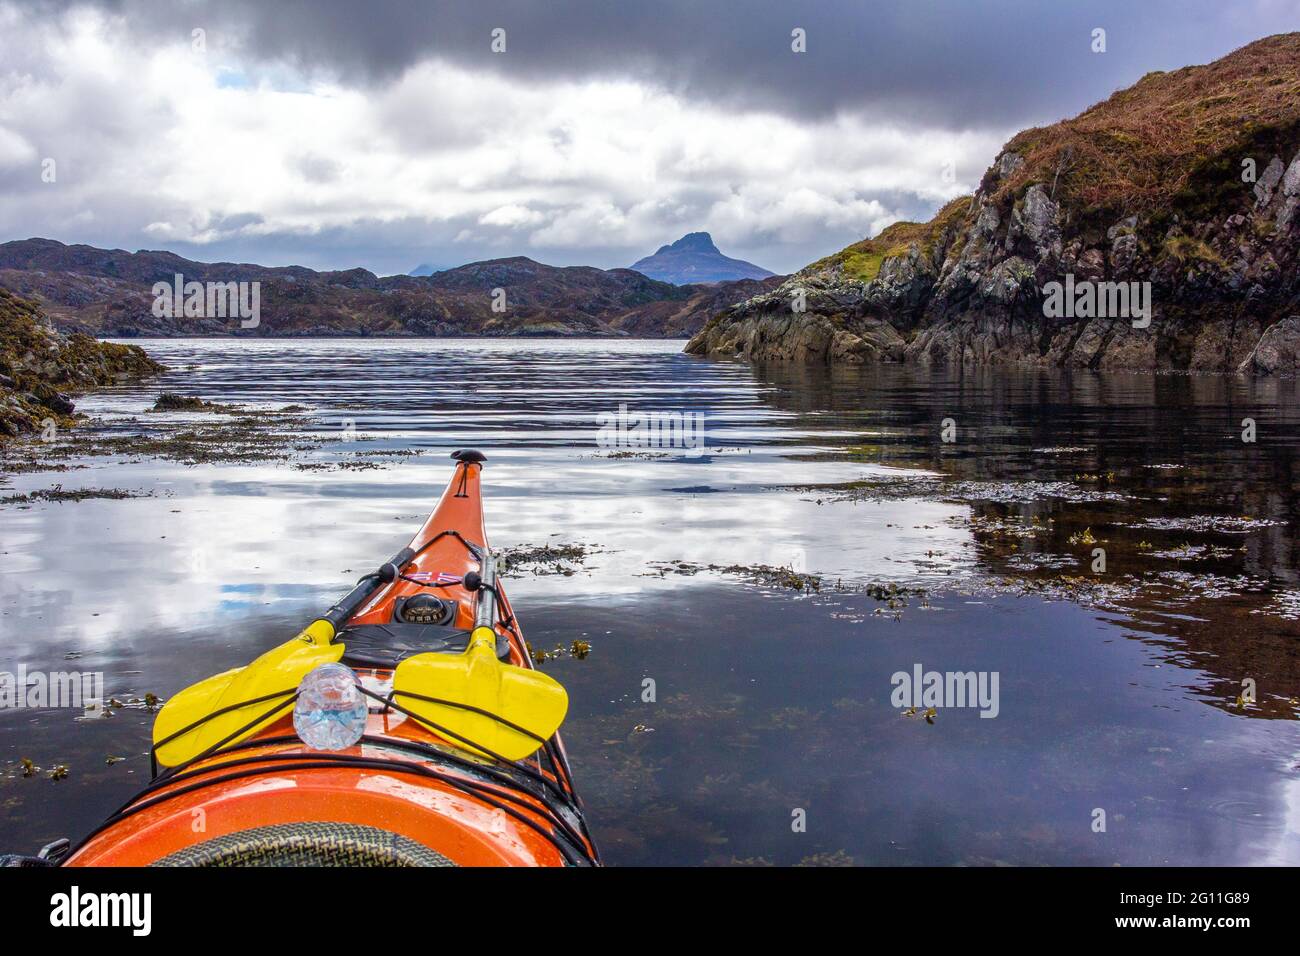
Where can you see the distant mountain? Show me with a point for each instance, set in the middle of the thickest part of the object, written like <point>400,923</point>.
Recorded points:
<point>423,269</point>
<point>694,258</point>
<point>109,293</point>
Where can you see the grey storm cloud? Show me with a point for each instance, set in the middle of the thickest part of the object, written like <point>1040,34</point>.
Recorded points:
<point>335,133</point>
<point>958,63</point>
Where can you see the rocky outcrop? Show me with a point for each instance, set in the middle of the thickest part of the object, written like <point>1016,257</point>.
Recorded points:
<point>1278,349</point>
<point>804,322</point>
<point>41,369</point>
<point>1147,200</point>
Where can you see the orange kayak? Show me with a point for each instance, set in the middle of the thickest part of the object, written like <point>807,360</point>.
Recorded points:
<point>436,776</point>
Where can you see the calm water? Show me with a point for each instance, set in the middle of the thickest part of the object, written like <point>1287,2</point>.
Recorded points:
<point>1117,689</point>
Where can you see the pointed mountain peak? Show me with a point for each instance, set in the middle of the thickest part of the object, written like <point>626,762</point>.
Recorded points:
<point>694,258</point>
<point>695,242</point>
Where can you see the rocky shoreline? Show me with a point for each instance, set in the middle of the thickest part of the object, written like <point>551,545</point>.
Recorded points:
<point>1187,184</point>
<point>42,369</point>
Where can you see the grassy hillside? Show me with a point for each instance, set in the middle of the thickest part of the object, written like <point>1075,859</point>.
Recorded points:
<point>862,260</point>
<point>1153,185</point>
<point>1170,140</point>
<point>1170,145</point>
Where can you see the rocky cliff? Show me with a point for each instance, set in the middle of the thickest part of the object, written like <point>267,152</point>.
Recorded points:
<point>1189,181</point>
<point>40,369</point>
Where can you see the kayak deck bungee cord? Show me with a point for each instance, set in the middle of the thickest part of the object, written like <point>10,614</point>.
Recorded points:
<point>405,727</point>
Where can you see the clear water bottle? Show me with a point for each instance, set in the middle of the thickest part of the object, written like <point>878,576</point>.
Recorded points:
<point>330,713</point>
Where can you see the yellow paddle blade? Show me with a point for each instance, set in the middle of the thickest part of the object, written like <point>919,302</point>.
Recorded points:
<point>279,669</point>
<point>526,698</point>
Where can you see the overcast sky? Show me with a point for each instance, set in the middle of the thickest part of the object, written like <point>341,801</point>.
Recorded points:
<point>389,134</point>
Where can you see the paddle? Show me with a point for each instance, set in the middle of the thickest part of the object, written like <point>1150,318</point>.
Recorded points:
<point>471,698</point>
<point>230,700</point>
<point>233,699</point>
<point>474,698</point>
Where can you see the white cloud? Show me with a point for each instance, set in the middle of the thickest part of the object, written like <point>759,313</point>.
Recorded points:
<point>512,215</point>
<point>161,146</point>
<point>15,150</point>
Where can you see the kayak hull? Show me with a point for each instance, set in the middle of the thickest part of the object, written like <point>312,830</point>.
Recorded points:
<point>402,780</point>
<point>436,815</point>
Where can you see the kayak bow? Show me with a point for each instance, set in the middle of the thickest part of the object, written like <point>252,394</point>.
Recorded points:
<point>459,762</point>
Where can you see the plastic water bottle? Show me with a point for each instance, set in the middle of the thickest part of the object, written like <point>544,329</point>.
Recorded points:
<point>330,713</point>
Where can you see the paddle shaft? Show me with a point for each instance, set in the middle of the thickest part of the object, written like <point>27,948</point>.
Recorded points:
<point>342,612</point>
<point>485,610</point>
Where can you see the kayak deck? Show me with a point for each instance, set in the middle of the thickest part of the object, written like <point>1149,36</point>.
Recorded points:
<point>410,792</point>
<point>474,813</point>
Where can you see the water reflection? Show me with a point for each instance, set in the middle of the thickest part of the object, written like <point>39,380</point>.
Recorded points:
<point>1197,525</point>
<point>766,700</point>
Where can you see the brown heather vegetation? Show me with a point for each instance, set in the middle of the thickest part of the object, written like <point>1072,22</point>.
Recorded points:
<point>1171,140</point>
<point>1171,143</point>
<point>1146,186</point>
